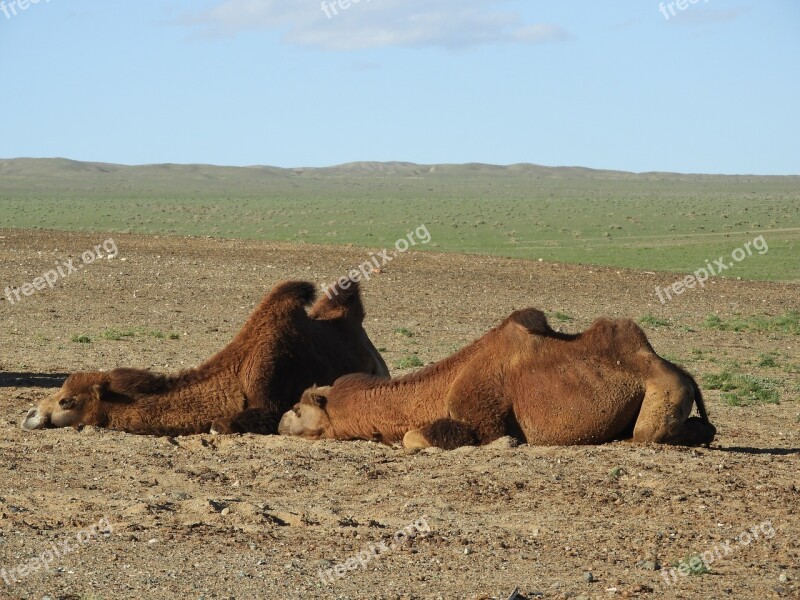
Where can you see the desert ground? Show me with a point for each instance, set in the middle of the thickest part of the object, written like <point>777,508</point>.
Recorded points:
<point>239,517</point>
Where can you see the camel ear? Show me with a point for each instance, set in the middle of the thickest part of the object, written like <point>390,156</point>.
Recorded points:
<point>98,389</point>
<point>319,396</point>
<point>531,320</point>
<point>68,403</point>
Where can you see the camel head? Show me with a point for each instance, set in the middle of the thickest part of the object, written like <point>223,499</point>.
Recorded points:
<point>308,418</point>
<point>76,403</point>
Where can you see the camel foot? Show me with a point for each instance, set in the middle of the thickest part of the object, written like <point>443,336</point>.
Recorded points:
<point>414,439</point>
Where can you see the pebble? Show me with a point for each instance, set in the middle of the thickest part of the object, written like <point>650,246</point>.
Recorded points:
<point>783,578</point>
<point>588,577</point>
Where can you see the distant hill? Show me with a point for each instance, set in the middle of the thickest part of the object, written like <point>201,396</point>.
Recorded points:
<point>97,171</point>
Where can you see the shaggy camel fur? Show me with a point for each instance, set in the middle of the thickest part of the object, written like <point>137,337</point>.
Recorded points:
<point>521,379</point>
<point>280,351</point>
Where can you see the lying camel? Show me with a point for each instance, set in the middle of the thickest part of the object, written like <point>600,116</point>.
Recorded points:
<point>278,353</point>
<point>521,379</point>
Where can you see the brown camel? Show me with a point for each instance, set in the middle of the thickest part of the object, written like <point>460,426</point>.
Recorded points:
<point>280,351</point>
<point>521,379</point>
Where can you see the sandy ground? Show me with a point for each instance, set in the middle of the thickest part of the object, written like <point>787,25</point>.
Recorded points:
<point>123,516</point>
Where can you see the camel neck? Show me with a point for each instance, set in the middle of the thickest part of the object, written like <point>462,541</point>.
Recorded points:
<point>387,410</point>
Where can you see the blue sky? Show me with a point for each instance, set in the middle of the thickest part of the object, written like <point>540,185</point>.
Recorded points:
<point>714,88</point>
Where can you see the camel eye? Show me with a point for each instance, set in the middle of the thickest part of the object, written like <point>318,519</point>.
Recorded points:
<point>296,411</point>
<point>67,403</point>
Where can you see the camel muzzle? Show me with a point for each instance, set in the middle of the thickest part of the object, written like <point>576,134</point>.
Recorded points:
<point>33,420</point>
<point>284,427</point>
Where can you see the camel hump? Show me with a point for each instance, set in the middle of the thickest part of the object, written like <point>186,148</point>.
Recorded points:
<point>620,333</point>
<point>532,320</point>
<point>342,299</point>
<point>301,293</point>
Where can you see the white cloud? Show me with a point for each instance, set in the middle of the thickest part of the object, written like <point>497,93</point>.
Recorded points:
<point>374,23</point>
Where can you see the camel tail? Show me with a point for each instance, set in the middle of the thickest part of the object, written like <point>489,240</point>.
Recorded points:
<point>698,396</point>
<point>698,399</point>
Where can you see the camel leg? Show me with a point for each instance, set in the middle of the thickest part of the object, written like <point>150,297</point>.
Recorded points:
<point>664,416</point>
<point>252,420</point>
<point>442,433</point>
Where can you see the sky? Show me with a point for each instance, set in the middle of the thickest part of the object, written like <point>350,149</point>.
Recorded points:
<point>708,86</point>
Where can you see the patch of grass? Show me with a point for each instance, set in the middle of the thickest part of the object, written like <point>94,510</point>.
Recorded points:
<point>560,316</point>
<point>409,362</point>
<point>767,359</point>
<point>788,322</point>
<point>712,322</point>
<point>116,334</point>
<point>743,389</point>
<point>652,321</point>
<point>616,472</point>
<point>404,332</point>
<point>693,564</point>
<point>81,339</point>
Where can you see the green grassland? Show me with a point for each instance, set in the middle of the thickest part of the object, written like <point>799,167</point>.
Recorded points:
<point>651,221</point>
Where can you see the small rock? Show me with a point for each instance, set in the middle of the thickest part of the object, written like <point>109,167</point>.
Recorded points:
<point>467,550</point>
<point>649,565</point>
<point>783,578</point>
<point>225,511</point>
<point>588,577</point>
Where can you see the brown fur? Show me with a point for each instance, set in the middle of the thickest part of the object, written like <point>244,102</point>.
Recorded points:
<point>523,379</point>
<point>278,353</point>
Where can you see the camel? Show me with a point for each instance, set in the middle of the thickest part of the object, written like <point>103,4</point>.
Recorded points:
<point>521,379</point>
<point>278,353</point>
